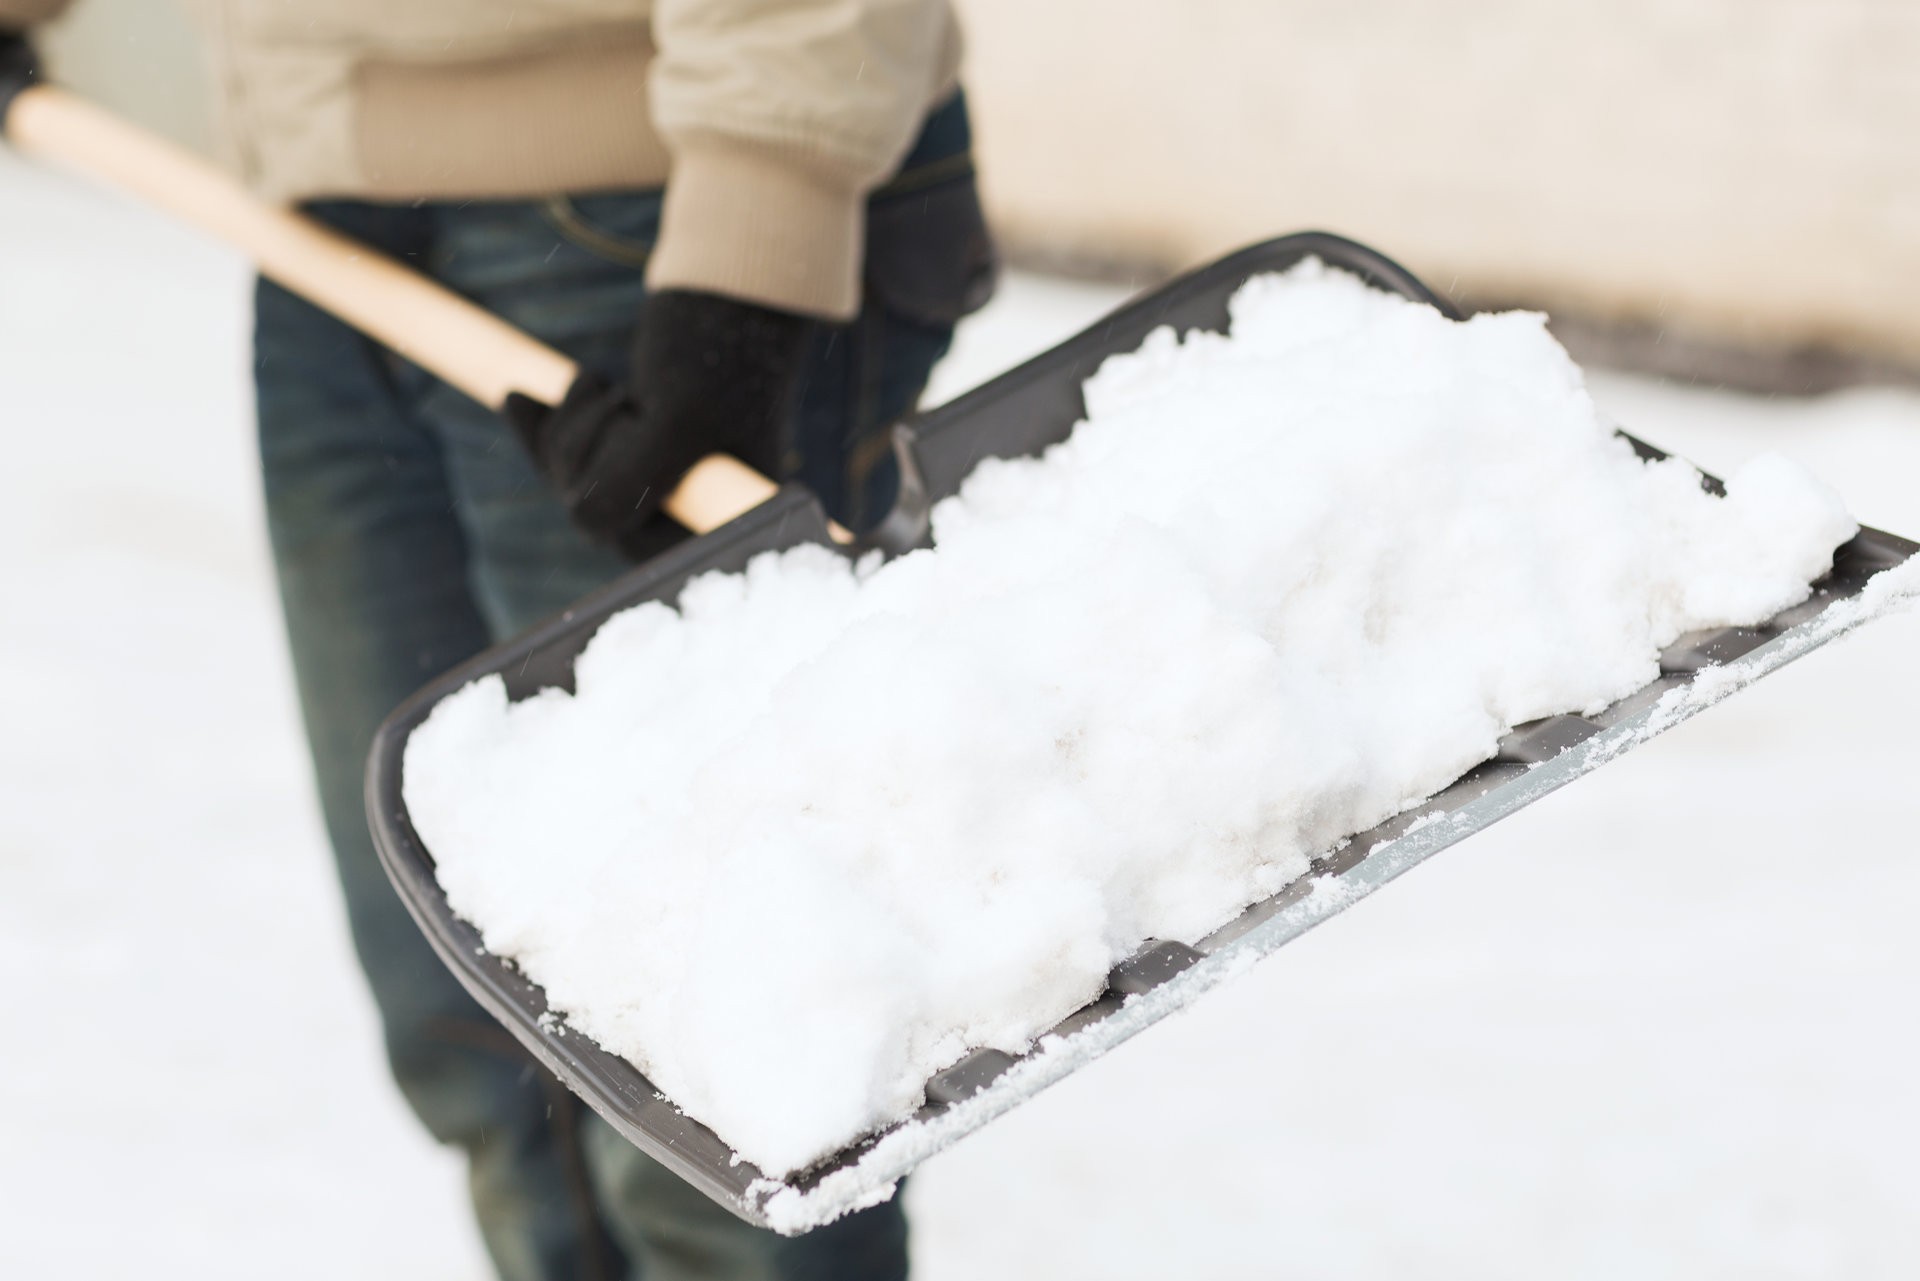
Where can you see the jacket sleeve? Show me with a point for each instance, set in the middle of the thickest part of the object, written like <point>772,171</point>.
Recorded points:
<point>19,14</point>
<point>780,117</point>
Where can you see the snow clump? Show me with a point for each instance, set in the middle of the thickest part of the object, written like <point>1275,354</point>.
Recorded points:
<point>807,839</point>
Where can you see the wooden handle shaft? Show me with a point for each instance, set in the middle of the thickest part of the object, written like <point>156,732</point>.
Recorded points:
<point>463,344</point>
<point>718,488</point>
<point>438,330</point>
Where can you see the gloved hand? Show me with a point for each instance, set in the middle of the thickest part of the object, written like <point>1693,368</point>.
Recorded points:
<point>710,375</point>
<point>18,68</point>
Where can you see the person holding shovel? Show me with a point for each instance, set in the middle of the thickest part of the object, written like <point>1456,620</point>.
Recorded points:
<point>754,224</point>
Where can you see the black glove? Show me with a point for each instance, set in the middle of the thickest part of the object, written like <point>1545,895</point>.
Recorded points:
<point>710,375</point>
<point>18,68</point>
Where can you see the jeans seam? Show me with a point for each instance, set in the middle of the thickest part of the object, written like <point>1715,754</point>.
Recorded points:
<point>562,1119</point>
<point>567,219</point>
<point>564,1115</point>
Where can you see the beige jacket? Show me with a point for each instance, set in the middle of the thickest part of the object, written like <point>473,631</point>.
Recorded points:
<point>772,119</point>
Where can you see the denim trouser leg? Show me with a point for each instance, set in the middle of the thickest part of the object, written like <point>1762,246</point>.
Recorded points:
<point>373,567</point>
<point>409,531</point>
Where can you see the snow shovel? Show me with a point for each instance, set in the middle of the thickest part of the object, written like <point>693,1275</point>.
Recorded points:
<point>1019,413</point>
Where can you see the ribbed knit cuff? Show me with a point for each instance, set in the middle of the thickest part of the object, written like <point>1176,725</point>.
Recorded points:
<point>761,228</point>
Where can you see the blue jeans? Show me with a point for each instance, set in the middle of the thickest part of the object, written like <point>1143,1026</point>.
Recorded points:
<point>410,531</point>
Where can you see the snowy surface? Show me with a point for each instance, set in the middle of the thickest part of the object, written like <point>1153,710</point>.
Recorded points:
<point>1657,1025</point>
<point>1279,585</point>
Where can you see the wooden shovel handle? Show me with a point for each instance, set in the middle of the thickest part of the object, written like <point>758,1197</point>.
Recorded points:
<point>461,343</point>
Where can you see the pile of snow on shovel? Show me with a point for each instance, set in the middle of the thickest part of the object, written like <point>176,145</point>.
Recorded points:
<point>806,840</point>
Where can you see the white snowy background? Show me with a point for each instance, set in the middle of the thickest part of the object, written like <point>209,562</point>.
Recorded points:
<point>1659,1025</point>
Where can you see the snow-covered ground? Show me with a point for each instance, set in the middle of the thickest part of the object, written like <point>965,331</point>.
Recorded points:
<point>1657,1025</point>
